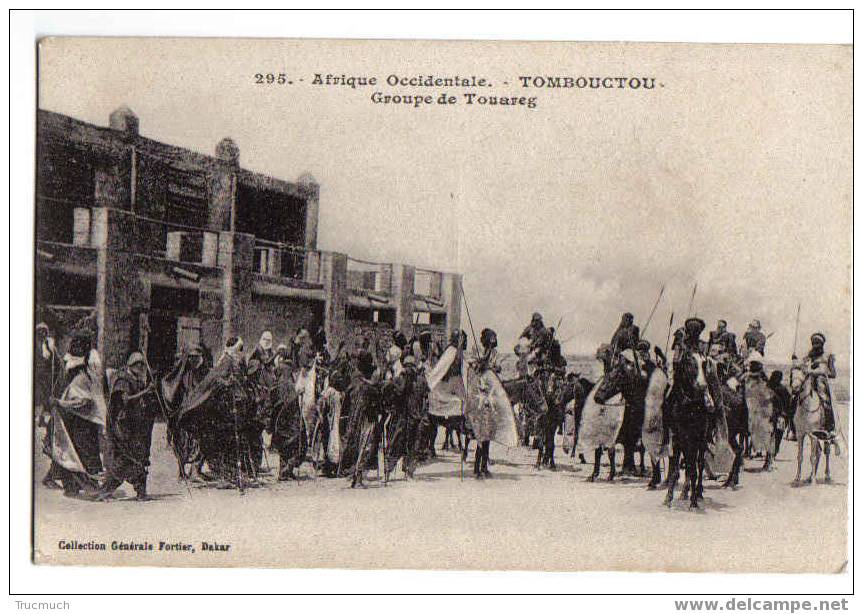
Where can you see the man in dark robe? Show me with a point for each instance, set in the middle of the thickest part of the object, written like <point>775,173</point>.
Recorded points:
<point>404,400</point>
<point>626,336</point>
<point>754,340</point>
<point>782,405</point>
<point>47,380</point>
<point>540,340</point>
<point>132,411</point>
<point>262,377</point>
<point>362,405</point>
<point>189,371</point>
<point>722,342</point>
<point>215,412</point>
<point>287,427</point>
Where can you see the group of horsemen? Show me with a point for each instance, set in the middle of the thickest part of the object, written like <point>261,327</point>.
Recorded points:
<point>350,413</point>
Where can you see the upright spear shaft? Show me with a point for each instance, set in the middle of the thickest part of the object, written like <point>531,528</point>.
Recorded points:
<point>796,328</point>
<point>476,350</point>
<point>653,311</point>
<point>668,336</point>
<point>692,300</point>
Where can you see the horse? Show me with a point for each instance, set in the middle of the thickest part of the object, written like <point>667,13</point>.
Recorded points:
<point>527,392</point>
<point>581,387</point>
<point>760,407</point>
<point>654,432</point>
<point>689,424</point>
<point>808,422</point>
<point>558,393</point>
<point>625,378</point>
<point>731,407</point>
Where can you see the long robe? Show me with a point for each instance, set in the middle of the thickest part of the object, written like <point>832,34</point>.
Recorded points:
<point>289,433</point>
<point>489,409</point>
<point>76,429</point>
<point>130,431</point>
<point>447,392</point>
<point>363,405</point>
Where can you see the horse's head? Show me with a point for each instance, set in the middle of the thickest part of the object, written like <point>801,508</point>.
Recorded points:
<point>799,379</point>
<point>620,378</point>
<point>690,370</point>
<point>560,390</point>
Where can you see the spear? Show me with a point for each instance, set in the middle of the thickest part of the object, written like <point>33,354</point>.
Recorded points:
<point>476,350</point>
<point>796,328</point>
<point>668,336</point>
<point>652,311</point>
<point>692,300</point>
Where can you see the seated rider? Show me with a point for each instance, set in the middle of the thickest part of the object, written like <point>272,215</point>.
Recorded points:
<point>821,366</point>
<point>722,343</point>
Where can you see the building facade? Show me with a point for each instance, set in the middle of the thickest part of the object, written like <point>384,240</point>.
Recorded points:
<point>154,247</point>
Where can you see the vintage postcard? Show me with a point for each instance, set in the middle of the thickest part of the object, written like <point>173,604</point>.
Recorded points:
<point>442,305</point>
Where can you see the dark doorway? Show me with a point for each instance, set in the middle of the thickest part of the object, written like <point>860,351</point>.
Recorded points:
<point>161,342</point>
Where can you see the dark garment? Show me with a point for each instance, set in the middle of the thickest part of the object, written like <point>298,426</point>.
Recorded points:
<point>47,377</point>
<point>405,400</point>
<point>362,406</point>
<point>289,438</point>
<point>85,437</point>
<point>724,342</point>
<point>215,413</point>
<point>782,403</point>
<point>187,445</point>
<point>625,338</point>
<point>130,431</point>
<point>755,340</point>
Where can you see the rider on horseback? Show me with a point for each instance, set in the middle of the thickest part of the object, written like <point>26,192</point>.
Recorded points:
<point>821,366</point>
<point>539,343</point>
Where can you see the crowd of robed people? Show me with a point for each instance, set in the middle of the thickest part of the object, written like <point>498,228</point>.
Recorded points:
<point>347,414</point>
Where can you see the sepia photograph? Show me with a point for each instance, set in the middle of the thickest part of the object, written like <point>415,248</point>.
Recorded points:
<point>442,305</point>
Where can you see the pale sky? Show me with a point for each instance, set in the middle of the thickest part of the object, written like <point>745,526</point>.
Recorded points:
<point>734,173</point>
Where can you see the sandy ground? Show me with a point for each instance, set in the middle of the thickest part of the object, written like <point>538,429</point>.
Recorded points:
<point>520,519</point>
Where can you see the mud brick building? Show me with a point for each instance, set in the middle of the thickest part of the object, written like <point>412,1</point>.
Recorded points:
<point>153,247</point>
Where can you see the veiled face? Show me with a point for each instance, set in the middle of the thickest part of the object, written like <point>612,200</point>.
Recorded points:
<point>139,370</point>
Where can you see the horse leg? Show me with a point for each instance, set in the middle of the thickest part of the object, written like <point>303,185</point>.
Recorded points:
<point>691,476</point>
<point>734,474</point>
<point>612,471</point>
<point>466,444</point>
<point>768,460</point>
<point>701,465</point>
<point>827,478</point>
<point>673,475</point>
<point>814,458</point>
<point>549,447</point>
<point>642,470</point>
<point>655,474</point>
<point>801,439</point>
<point>597,459</point>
